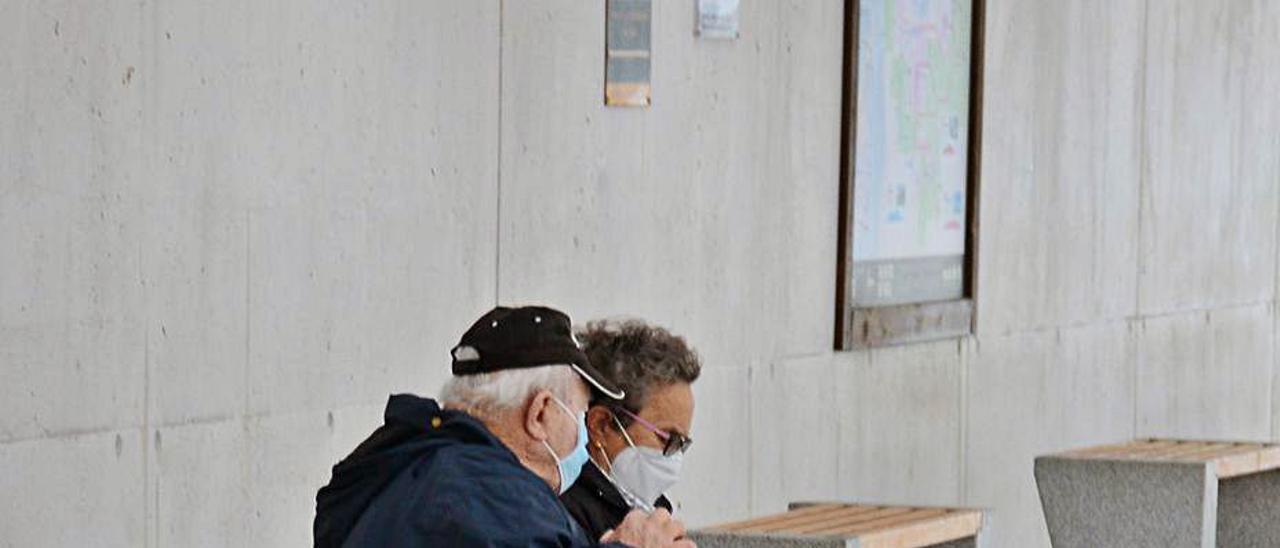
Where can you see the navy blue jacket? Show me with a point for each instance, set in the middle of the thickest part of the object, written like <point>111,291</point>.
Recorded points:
<point>435,477</point>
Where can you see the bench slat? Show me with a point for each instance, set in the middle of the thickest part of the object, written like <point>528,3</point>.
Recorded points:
<point>1259,459</point>
<point>954,525</point>
<point>794,522</point>
<point>890,522</point>
<point>765,520</point>
<point>1189,451</point>
<point>1109,449</point>
<point>1218,451</point>
<point>873,526</point>
<point>1229,459</point>
<point>1142,451</point>
<point>855,519</point>
<point>1269,459</point>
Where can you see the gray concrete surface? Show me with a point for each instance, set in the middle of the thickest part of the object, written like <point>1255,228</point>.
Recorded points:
<point>1249,510</point>
<point>1095,502</point>
<point>219,226</point>
<point>1067,158</point>
<point>1036,392</point>
<point>706,539</point>
<point>227,232</point>
<point>1128,504</point>
<point>962,543</point>
<point>1207,375</point>
<point>1229,146</point>
<point>901,424</point>
<point>798,392</point>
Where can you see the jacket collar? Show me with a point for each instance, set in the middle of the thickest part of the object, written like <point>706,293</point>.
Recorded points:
<point>596,482</point>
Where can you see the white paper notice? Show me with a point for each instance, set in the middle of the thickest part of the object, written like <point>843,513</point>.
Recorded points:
<point>718,19</point>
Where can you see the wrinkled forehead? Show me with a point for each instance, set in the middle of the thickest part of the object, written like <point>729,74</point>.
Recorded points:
<point>671,406</point>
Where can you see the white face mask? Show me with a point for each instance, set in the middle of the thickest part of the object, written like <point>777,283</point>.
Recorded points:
<point>645,471</point>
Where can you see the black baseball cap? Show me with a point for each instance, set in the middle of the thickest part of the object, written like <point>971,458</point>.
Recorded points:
<point>528,336</point>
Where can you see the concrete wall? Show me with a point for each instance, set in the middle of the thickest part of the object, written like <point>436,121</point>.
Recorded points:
<point>226,233</point>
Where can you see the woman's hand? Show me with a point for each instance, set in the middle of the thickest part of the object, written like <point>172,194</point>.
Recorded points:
<point>656,530</point>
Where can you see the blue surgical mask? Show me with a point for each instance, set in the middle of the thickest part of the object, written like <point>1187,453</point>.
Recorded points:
<point>571,465</point>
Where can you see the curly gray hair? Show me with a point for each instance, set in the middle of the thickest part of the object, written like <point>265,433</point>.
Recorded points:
<point>638,358</point>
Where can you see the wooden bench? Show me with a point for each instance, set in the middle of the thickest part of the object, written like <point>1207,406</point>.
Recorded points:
<point>1162,492</point>
<point>849,525</point>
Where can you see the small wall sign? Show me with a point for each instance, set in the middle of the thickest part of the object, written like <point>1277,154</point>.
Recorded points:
<point>626,59</point>
<point>718,19</point>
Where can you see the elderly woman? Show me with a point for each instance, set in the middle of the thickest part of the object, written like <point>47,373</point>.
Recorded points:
<point>636,444</point>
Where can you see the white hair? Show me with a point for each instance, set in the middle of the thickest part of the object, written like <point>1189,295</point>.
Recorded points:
<point>487,394</point>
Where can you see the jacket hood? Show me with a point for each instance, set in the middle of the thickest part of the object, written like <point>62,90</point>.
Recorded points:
<point>414,428</point>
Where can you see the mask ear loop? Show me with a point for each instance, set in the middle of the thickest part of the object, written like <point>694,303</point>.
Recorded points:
<point>604,455</point>
<point>555,461</point>
<point>631,500</point>
<point>623,429</point>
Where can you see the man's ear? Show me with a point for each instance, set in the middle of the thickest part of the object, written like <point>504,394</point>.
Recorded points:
<point>537,417</point>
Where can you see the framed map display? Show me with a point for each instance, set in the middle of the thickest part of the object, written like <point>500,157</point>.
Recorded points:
<point>912,89</point>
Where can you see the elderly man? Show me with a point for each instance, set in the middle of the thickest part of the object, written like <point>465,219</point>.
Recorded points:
<point>485,469</point>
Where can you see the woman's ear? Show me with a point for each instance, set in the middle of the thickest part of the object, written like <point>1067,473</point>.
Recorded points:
<point>599,422</point>
<point>537,415</point>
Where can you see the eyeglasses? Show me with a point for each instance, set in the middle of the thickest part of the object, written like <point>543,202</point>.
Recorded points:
<point>673,442</point>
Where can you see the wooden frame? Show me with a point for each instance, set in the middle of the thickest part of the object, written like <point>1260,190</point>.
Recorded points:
<point>915,322</point>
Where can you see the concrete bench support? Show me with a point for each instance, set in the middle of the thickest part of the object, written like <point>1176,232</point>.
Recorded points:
<point>1162,493</point>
